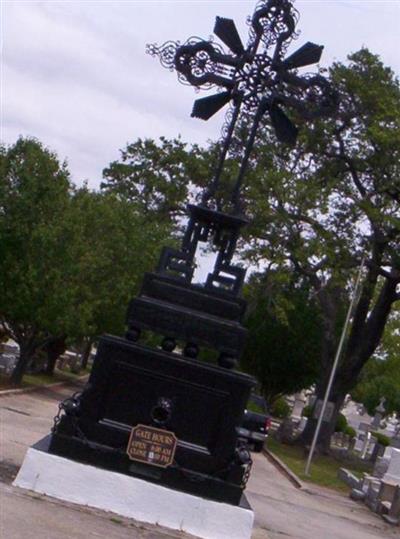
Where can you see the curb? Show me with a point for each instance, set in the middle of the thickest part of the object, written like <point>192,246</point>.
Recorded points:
<point>5,392</point>
<point>283,468</point>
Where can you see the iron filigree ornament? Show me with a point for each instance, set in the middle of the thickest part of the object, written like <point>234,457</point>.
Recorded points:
<point>257,78</point>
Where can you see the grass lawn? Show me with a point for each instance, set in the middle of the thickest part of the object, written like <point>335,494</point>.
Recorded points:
<point>32,380</point>
<point>323,468</point>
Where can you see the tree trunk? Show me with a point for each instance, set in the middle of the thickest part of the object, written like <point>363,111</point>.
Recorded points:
<point>26,353</point>
<point>86,353</point>
<point>54,348</point>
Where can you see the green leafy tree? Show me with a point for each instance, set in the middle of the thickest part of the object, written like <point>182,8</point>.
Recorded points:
<point>284,341</point>
<point>71,259</point>
<point>320,208</point>
<point>381,376</point>
<point>34,198</point>
<point>117,244</point>
<point>158,178</point>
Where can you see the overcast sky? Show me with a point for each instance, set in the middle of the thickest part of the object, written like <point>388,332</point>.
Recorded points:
<point>75,73</point>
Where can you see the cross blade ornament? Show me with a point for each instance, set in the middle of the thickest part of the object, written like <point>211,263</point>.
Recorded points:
<point>206,107</point>
<point>226,30</point>
<point>257,79</point>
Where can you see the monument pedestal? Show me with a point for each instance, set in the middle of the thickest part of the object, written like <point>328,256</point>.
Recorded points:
<point>131,497</point>
<point>201,404</point>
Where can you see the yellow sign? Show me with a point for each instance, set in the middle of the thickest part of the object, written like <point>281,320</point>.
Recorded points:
<point>152,446</point>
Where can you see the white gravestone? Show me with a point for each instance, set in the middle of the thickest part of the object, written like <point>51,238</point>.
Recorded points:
<point>367,442</point>
<point>379,414</point>
<point>393,473</point>
<point>388,452</point>
<point>359,443</point>
<point>302,424</point>
<point>299,404</point>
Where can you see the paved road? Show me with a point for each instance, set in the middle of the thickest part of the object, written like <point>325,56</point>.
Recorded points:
<point>282,511</point>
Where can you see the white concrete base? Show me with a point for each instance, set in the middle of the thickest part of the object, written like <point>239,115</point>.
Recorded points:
<point>130,497</point>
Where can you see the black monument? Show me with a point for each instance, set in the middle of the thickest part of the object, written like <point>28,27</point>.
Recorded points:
<point>159,413</point>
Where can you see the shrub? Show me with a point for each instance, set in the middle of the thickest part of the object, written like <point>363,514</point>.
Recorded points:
<point>341,423</point>
<point>280,408</point>
<point>381,438</point>
<point>350,431</point>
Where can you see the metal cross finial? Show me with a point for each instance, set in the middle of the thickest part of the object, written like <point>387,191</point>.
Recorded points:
<point>257,77</point>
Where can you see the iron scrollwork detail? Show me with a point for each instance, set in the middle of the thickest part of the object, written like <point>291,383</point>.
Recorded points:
<point>255,73</point>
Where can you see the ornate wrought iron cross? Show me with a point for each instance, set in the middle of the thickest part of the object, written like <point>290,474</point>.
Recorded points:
<point>261,81</point>
<point>257,78</point>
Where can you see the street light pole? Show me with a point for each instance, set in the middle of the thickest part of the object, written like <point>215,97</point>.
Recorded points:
<point>334,368</point>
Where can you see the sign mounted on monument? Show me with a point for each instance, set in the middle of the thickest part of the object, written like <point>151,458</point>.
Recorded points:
<point>152,446</point>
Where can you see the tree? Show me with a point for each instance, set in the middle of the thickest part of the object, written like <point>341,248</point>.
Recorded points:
<point>158,178</point>
<point>118,243</point>
<point>54,348</point>
<point>321,208</point>
<point>71,258</point>
<point>284,341</point>
<point>34,197</point>
<point>381,376</point>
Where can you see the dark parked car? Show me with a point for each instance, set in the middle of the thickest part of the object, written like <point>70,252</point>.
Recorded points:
<point>255,424</point>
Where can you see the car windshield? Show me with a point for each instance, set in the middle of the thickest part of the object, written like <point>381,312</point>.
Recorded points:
<point>256,403</point>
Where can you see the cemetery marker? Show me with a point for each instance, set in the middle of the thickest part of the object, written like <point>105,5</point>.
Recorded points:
<point>133,383</point>
<point>165,421</point>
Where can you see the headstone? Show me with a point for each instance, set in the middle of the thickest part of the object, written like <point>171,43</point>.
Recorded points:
<point>395,441</point>
<point>393,472</point>
<point>349,478</point>
<point>359,443</point>
<point>381,467</point>
<point>329,409</point>
<point>372,495</point>
<point>387,493</point>
<point>362,442</point>
<point>357,495</point>
<point>346,441</point>
<point>366,445</point>
<point>367,479</point>
<point>287,430</point>
<point>299,404</point>
<point>388,452</point>
<point>379,413</point>
<point>393,515</point>
<point>339,438</point>
<point>373,442</point>
<point>376,451</point>
<point>7,362</point>
<point>302,424</point>
<point>364,427</point>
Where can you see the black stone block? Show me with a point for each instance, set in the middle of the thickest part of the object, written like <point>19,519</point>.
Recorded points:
<point>125,387</point>
<point>194,297</point>
<point>187,324</point>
